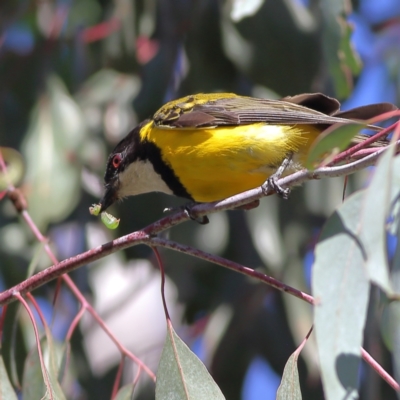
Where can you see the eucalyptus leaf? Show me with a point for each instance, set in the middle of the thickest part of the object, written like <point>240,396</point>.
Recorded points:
<point>15,167</point>
<point>340,286</point>
<point>340,55</point>
<point>125,393</point>
<point>242,9</point>
<point>181,375</point>
<point>7,392</point>
<point>33,385</point>
<point>375,212</point>
<point>332,141</point>
<point>51,149</point>
<point>289,389</point>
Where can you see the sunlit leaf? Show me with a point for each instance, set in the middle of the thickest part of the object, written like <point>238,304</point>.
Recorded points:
<point>181,375</point>
<point>390,323</point>
<point>341,290</point>
<point>373,220</point>
<point>244,8</point>
<point>108,85</point>
<point>289,389</point>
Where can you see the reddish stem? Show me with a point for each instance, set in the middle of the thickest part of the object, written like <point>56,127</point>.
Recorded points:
<point>39,348</point>
<point>75,323</point>
<point>37,308</point>
<point>379,370</point>
<point>117,380</point>
<point>365,143</point>
<point>3,317</point>
<point>233,266</point>
<point>302,344</point>
<point>161,266</point>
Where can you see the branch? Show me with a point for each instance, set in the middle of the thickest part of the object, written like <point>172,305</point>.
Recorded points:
<point>223,262</point>
<point>145,236</point>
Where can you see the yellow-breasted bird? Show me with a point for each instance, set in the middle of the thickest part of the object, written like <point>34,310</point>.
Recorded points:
<point>207,147</point>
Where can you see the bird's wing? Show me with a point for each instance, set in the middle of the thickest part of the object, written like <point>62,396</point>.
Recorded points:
<point>226,109</point>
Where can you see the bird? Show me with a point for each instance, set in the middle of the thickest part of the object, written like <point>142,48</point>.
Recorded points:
<point>208,147</point>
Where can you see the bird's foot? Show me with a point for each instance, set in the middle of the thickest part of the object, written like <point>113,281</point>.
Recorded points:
<point>187,209</point>
<point>272,181</point>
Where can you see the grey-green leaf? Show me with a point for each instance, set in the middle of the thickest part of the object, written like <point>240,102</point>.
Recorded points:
<point>125,393</point>
<point>33,385</point>
<point>181,375</point>
<point>373,219</point>
<point>289,389</point>
<point>7,392</point>
<point>341,290</point>
<point>51,150</point>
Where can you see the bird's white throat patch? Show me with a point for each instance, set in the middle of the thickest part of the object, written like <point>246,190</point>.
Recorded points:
<point>140,177</point>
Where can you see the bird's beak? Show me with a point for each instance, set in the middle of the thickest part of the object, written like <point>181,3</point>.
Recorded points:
<point>110,196</point>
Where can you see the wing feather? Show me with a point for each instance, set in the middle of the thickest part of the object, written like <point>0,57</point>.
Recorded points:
<point>226,109</point>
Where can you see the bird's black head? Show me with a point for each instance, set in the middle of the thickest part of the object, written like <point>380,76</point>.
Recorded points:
<point>122,156</point>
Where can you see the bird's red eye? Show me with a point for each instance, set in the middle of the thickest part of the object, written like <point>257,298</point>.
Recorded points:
<point>116,161</point>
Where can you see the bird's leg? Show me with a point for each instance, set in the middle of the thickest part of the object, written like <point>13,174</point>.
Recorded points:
<point>201,220</point>
<point>271,182</point>
<point>187,209</point>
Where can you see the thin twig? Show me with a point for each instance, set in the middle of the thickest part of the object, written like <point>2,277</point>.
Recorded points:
<point>162,273</point>
<point>379,370</point>
<point>144,236</point>
<point>269,280</point>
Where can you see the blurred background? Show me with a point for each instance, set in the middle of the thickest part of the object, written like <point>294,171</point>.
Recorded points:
<point>77,75</point>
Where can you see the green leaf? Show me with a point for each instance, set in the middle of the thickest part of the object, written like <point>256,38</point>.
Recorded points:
<point>83,13</point>
<point>339,54</point>
<point>51,149</point>
<point>15,167</point>
<point>7,392</point>
<point>181,375</point>
<point>341,290</point>
<point>334,140</point>
<point>33,385</point>
<point>54,359</point>
<point>289,389</point>
<point>125,393</point>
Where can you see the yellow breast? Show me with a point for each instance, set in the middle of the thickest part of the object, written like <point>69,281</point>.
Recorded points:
<point>215,163</point>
